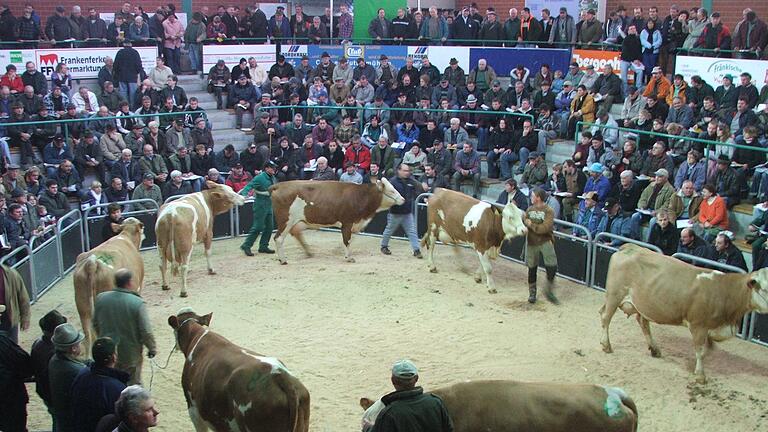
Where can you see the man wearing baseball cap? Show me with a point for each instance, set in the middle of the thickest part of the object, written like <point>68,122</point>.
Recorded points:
<point>597,182</point>
<point>408,408</point>
<point>656,196</point>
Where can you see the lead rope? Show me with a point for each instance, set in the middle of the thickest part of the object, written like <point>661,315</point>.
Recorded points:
<point>153,363</point>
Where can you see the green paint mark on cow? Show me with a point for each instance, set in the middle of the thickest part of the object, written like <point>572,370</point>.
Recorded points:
<point>106,259</point>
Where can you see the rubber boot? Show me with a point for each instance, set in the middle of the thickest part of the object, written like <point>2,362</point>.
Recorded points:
<point>550,286</point>
<point>532,293</point>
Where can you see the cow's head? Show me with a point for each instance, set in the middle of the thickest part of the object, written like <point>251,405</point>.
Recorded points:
<point>183,321</point>
<point>390,195</point>
<point>512,221</point>
<point>134,230</point>
<point>758,282</point>
<point>221,197</point>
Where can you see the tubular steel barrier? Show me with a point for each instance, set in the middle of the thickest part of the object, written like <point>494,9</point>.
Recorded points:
<point>147,215</point>
<point>42,258</point>
<point>578,250</point>
<point>601,256</point>
<point>707,263</point>
<point>71,240</point>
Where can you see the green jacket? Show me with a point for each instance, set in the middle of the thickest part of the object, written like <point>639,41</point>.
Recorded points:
<point>260,184</point>
<point>153,193</point>
<point>156,165</point>
<point>16,297</point>
<point>663,199</point>
<point>195,33</point>
<point>122,315</point>
<point>535,175</point>
<point>62,371</point>
<point>411,411</point>
<point>387,163</point>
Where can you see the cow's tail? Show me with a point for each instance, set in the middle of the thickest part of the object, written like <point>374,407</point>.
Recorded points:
<point>629,403</point>
<point>426,239</point>
<point>172,246</point>
<point>293,398</point>
<point>86,281</point>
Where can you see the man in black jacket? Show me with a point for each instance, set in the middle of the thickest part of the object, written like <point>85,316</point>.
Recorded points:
<point>33,77</point>
<point>408,405</point>
<point>59,28</point>
<point>465,28</point>
<point>607,88</point>
<point>17,368</point>
<point>402,215</point>
<point>128,70</point>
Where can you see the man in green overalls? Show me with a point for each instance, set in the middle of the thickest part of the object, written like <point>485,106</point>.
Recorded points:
<point>262,210</point>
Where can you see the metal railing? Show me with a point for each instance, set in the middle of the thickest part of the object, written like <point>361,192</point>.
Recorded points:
<point>597,246</point>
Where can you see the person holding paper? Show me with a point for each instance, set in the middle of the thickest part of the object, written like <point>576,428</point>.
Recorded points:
<point>685,204</point>
<point>656,196</point>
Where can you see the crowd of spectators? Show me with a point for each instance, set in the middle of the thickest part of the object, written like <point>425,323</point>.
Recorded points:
<point>344,119</point>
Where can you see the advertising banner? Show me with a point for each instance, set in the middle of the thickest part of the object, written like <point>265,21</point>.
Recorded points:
<point>440,56</point>
<point>503,60</point>
<point>265,55</point>
<point>86,62</point>
<point>554,7</point>
<point>371,54</point>
<point>18,58</point>
<point>294,53</point>
<point>712,69</point>
<point>598,59</point>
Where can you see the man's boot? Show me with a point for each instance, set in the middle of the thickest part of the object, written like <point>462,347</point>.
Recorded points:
<point>532,292</point>
<point>550,286</point>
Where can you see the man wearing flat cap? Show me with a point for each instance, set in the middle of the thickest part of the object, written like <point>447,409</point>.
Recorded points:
<point>62,370</point>
<point>408,408</point>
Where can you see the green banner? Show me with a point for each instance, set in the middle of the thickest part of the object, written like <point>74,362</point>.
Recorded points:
<point>366,10</point>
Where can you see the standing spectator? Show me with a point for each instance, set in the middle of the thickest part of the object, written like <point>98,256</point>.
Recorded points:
<point>58,28</point>
<point>345,23</point>
<point>28,29</point>
<point>563,30</point>
<point>194,36</point>
<point>97,387</point>
<point>715,36</point>
<point>94,28</point>
<point>16,302</point>
<point>42,351</point>
<point>17,368</point>
<point>465,29</point>
<point>751,36</point>
<point>380,28</point>
<point>590,31</point>
<point>632,58</point>
<point>173,35</point>
<point>651,40</point>
<point>695,28</point>
<point>122,315</point>
<point>117,31</point>
<point>492,32</point>
<point>63,367</point>
<point>434,29</point>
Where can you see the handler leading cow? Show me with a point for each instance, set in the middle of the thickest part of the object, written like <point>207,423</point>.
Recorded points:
<point>665,290</point>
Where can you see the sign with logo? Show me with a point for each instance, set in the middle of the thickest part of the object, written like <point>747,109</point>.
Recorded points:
<point>371,54</point>
<point>294,53</point>
<point>265,55</point>
<point>18,58</point>
<point>503,60</point>
<point>86,62</point>
<point>440,56</point>
<point>712,70</point>
<point>598,59</point>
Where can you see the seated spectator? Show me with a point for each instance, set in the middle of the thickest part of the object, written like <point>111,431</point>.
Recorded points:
<point>725,252</point>
<point>500,142</point>
<point>238,177</point>
<point>547,127</point>
<point>383,156</point>
<point>664,234</point>
<point>373,130</point>
<point>535,173</point>
<point>201,135</point>
<point>691,244</point>
<point>455,135</point>
<point>598,152</point>
<point>582,110</point>
<point>727,180</point>
<point>53,201</point>
<point>147,190</point>
<point>334,153</point>
<point>243,96</point>
<point>713,215</point>
<point>430,181</point>
<point>201,163</point>
<point>112,222</point>
<point>177,186</point>
<point>323,171</point>
<point>680,113</point>
<point>527,143</point>
<point>252,159</point>
<point>692,169</point>
<point>193,113</point>
<point>656,196</point>
<point>213,176</point>
<point>415,158</point>
<point>116,192</point>
<point>226,159</point>
<point>512,194</point>
<point>581,152</point>
<point>95,196</point>
<point>589,215</point>
<point>68,179</point>
<point>135,409</point>
<point>152,163</point>
<point>686,202</point>
<point>607,88</point>
<point>359,155</point>
<point>16,230</point>
<point>615,221</point>
<point>218,79</point>
<point>467,166</point>
<point>110,98</point>
<point>658,87</point>
<point>126,169</point>
<point>125,120</point>
<point>346,130</point>
<point>629,159</point>
<point>145,92</point>
<point>112,145</point>
<point>408,134</point>
<point>657,159</point>
<point>627,192</point>
<point>95,389</point>
<point>55,153</point>
<point>175,92</point>
<point>351,174</point>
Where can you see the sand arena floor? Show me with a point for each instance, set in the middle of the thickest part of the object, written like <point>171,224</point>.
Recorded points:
<point>339,326</point>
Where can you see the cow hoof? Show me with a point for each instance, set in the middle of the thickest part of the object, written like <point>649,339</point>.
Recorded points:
<point>350,260</point>
<point>211,271</point>
<point>478,279</point>
<point>607,349</point>
<point>655,352</point>
<point>165,288</point>
<point>701,379</point>
<point>492,291</point>
<point>433,270</point>
<point>283,262</point>
<point>183,294</point>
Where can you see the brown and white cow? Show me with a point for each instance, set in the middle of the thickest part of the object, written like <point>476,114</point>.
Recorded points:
<point>230,388</point>
<point>455,218</point>
<point>189,220</point>
<point>665,290</point>
<point>299,205</point>
<point>512,406</point>
<point>95,271</point>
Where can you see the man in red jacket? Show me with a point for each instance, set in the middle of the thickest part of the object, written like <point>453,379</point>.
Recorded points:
<point>359,155</point>
<point>12,80</point>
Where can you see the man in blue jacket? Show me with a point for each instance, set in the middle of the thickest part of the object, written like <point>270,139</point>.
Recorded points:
<point>614,222</point>
<point>597,182</point>
<point>96,388</point>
